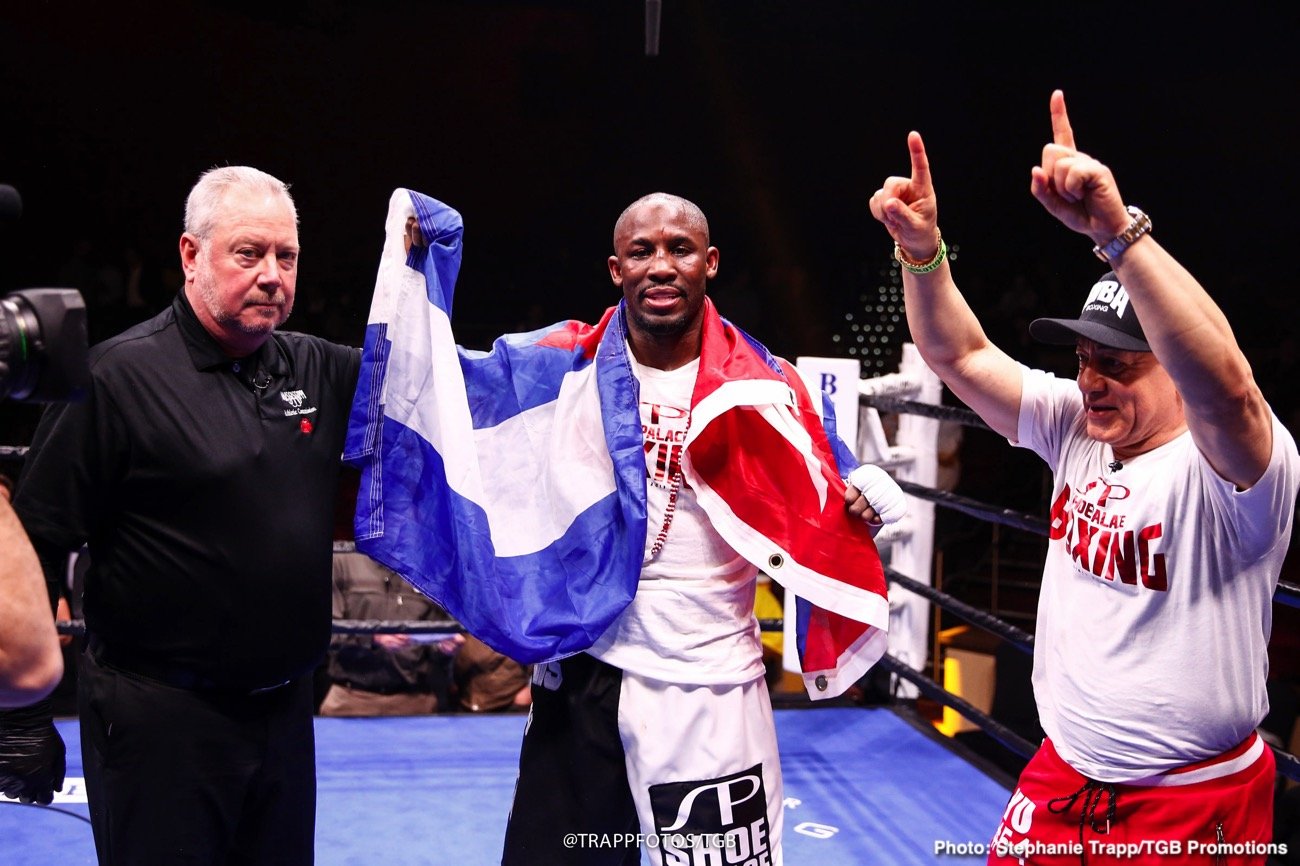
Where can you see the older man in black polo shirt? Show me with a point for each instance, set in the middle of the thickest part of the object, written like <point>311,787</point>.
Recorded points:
<point>202,470</point>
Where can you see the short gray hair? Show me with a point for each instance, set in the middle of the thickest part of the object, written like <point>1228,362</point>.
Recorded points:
<point>203,206</point>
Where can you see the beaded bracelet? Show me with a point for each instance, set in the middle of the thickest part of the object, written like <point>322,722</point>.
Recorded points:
<point>922,267</point>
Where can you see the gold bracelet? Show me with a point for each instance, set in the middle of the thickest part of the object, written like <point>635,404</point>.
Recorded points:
<point>922,267</point>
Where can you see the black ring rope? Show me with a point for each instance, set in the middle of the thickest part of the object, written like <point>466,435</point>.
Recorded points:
<point>397,626</point>
<point>1287,764</point>
<point>975,508</point>
<point>884,403</point>
<point>935,692</point>
<point>77,627</point>
<point>1020,639</point>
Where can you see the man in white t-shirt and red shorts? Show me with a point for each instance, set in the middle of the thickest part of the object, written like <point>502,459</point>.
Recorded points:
<point>1172,503</point>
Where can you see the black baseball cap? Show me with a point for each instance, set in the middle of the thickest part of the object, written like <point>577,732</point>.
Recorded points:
<point>1108,318</point>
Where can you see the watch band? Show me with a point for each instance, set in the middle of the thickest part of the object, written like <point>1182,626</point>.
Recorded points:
<point>1140,225</point>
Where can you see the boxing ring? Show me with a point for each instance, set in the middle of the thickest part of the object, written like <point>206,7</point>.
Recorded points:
<point>862,785</point>
<point>436,790</point>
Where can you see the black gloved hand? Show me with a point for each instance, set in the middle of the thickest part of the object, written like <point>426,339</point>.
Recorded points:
<point>31,754</point>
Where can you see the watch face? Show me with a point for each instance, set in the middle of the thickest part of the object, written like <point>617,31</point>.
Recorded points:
<point>1140,225</point>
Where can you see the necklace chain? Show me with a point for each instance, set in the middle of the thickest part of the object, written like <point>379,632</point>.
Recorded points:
<point>674,487</point>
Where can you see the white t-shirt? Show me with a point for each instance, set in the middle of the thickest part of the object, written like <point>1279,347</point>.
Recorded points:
<point>1157,596</point>
<point>692,618</point>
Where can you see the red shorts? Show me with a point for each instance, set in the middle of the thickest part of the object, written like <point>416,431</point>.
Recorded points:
<point>1214,812</point>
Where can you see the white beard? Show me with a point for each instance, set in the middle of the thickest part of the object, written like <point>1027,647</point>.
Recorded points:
<point>207,290</point>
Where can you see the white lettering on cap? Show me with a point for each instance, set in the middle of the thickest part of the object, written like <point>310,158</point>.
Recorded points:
<point>1110,293</point>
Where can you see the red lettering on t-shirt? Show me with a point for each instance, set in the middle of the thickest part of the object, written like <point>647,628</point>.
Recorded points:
<point>1097,541</point>
<point>1153,567</point>
<point>1122,558</point>
<point>1060,524</point>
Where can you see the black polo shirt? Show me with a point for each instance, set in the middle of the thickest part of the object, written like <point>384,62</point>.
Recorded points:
<point>205,488</point>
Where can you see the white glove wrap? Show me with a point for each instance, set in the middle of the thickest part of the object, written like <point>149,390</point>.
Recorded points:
<point>881,491</point>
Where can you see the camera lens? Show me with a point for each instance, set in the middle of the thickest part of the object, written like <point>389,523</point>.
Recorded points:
<point>19,332</point>
<point>43,345</point>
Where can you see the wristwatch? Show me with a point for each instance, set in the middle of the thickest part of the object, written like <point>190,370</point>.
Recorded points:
<point>1140,225</point>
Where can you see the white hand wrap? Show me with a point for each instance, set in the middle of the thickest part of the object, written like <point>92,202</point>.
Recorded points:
<point>881,491</point>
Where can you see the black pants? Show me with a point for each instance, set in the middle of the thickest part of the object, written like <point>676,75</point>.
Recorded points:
<point>197,777</point>
<point>572,772</point>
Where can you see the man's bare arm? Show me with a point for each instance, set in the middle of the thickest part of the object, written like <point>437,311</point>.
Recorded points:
<point>30,661</point>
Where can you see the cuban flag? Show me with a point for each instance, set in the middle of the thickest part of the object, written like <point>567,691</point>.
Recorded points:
<point>510,485</point>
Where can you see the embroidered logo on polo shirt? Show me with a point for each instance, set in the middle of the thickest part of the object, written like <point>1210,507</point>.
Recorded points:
<point>294,401</point>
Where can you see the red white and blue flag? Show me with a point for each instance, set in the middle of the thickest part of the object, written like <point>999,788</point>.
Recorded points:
<point>510,485</point>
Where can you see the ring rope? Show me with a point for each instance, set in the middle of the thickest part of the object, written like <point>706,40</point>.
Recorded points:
<point>77,627</point>
<point>975,508</point>
<point>885,403</point>
<point>1020,639</point>
<point>935,692</point>
<point>1287,764</point>
<point>397,626</point>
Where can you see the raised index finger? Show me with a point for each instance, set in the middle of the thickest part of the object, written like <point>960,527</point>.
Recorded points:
<point>1062,134</point>
<point>920,164</point>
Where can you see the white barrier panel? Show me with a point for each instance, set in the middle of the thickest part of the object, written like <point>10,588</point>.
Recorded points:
<point>838,379</point>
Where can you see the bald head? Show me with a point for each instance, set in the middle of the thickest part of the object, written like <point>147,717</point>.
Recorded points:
<point>694,217</point>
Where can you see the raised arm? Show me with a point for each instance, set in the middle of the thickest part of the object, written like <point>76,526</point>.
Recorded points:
<point>944,328</point>
<point>1188,333</point>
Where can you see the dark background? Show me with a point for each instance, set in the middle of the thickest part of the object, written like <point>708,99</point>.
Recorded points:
<point>540,121</point>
